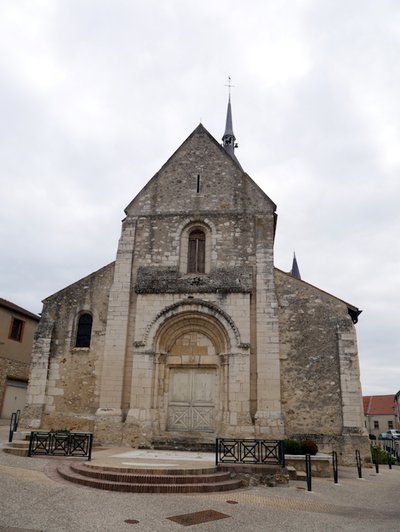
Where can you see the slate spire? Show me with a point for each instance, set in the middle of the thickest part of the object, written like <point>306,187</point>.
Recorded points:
<point>295,272</point>
<point>229,140</point>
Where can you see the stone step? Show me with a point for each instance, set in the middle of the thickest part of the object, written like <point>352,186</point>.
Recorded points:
<point>20,444</point>
<point>150,477</point>
<point>152,470</point>
<point>17,451</point>
<point>296,475</point>
<point>22,435</point>
<point>184,445</point>
<point>292,472</point>
<point>147,483</point>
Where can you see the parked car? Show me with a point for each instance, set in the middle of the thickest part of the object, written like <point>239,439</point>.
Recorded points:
<point>391,434</point>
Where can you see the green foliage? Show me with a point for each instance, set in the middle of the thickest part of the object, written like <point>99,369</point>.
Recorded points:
<point>292,447</point>
<point>382,455</point>
<point>309,447</point>
<point>300,447</point>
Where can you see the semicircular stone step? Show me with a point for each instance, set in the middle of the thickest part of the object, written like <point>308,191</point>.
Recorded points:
<point>150,483</point>
<point>146,477</point>
<point>153,470</point>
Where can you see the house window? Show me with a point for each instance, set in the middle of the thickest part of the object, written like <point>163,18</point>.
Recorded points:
<point>196,251</point>
<point>16,329</point>
<point>376,424</point>
<point>390,424</point>
<point>84,331</point>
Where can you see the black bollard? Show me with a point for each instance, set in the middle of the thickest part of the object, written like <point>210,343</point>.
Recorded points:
<point>375,458</point>
<point>358,462</point>
<point>308,471</point>
<point>390,459</point>
<point>335,467</point>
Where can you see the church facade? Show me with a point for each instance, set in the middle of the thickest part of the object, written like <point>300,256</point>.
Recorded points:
<point>192,333</point>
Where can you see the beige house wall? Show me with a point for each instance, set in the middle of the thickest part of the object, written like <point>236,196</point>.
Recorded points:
<point>15,356</point>
<point>383,422</point>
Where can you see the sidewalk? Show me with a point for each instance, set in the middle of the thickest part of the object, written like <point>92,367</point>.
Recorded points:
<point>30,500</point>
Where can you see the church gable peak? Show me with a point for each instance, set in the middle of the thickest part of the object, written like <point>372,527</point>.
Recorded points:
<point>201,176</point>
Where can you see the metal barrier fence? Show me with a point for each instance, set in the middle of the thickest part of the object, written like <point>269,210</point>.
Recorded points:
<point>61,444</point>
<point>232,451</point>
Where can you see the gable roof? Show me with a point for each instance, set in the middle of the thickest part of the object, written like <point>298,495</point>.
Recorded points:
<point>202,131</point>
<point>353,311</point>
<point>17,309</point>
<point>378,405</point>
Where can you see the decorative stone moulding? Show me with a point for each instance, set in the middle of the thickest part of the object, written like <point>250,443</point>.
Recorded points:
<point>196,305</point>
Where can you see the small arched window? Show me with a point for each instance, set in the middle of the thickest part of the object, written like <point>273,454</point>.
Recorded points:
<point>84,331</point>
<point>197,251</point>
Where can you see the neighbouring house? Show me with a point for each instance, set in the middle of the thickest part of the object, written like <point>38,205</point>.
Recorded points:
<point>192,333</point>
<point>380,413</point>
<point>397,409</point>
<point>17,329</point>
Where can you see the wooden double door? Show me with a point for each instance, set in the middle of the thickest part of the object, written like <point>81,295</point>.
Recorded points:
<point>191,405</point>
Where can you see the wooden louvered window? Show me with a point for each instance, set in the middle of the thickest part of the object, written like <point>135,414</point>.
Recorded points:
<point>197,251</point>
<point>84,331</point>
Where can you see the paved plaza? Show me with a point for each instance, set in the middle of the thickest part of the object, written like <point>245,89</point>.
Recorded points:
<point>33,497</point>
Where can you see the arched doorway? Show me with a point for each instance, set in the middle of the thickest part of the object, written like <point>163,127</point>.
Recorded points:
<point>192,382</point>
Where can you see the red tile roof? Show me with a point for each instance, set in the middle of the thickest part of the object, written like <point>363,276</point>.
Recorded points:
<point>378,404</point>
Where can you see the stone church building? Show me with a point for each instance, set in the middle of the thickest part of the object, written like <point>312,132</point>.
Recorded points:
<point>192,333</point>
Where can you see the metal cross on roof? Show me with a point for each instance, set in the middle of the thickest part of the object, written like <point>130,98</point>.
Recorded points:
<point>229,85</point>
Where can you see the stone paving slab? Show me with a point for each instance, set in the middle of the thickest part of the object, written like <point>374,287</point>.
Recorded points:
<point>151,459</point>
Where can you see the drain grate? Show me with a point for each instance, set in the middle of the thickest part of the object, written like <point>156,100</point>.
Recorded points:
<point>198,517</point>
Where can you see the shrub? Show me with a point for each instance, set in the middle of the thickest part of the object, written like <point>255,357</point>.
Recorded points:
<point>381,453</point>
<point>309,447</point>
<point>292,447</point>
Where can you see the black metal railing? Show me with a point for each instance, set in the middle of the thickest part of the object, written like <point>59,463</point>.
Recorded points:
<point>61,444</point>
<point>233,451</point>
<point>13,424</point>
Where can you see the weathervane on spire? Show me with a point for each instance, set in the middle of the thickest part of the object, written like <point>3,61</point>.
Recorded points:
<point>229,85</point>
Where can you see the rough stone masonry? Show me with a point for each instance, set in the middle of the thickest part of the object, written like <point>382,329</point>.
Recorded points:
<point>192,333</point>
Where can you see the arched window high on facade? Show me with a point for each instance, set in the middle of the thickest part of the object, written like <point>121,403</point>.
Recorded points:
<point>84,330</point>
<point>197,251</point>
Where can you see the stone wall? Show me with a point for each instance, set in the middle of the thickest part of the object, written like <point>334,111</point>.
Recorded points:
<point>283,353</point>
<point>223,185</point>
<point>321,391</point>
<point>308,321</point>
<point>63,388</point>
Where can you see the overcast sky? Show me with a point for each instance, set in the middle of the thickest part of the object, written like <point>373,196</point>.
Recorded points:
<point>96,95</point>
